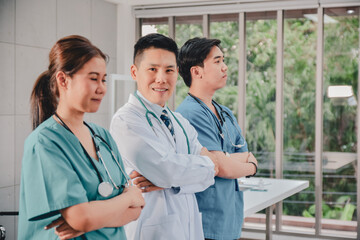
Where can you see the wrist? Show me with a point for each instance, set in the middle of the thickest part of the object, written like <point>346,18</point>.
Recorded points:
<point>255,166</point>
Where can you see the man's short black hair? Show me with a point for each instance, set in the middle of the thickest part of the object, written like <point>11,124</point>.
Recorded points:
<point>154,40</point>
<point>193,53</point>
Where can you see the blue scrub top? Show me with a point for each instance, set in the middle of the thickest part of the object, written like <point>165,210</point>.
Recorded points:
<point>57,174</point>
<point>222,204</point>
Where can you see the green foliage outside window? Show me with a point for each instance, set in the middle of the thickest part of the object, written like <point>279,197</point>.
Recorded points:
<point>341,56</point>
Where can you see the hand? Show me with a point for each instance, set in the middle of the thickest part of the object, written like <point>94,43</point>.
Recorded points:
<point>144,184</point>
<point>213,158</point>
<point>63,229</point>
<point>251,158</point>
<point>134,193</point>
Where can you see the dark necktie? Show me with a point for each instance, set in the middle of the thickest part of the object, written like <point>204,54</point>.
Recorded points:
<point>165,118</point>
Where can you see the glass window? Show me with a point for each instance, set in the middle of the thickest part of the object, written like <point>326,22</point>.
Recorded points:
<point>261,32</point>
<point>226,28</point>
<point>341,59</point>
<point>155,25</point>
<point>300,39</point>
<point>185,28</point>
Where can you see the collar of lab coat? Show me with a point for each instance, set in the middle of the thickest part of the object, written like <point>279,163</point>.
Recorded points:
<point>157,109</point>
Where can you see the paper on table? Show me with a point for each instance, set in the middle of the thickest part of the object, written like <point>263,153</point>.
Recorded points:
<point>254,184</point>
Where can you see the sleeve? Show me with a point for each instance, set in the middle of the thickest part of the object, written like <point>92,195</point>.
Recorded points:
<point>195,148</point>
<point>147,154</point>
<point>50,182</point>
<point>208,133</point>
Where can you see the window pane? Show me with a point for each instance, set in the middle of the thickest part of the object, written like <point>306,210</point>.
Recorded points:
<point>341,56</point>
<point>185,28</point>
<point>261,29</point>
<point>300,39</point>
<point>260,88</point>
<point>155,25</point>
<point>226,28</point>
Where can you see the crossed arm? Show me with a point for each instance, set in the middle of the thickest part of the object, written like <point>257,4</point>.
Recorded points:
<point>89,216</point>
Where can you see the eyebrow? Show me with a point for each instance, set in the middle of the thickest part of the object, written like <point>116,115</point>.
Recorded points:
<point>96,73</point>
<point>157,65</point>
<point>216,57</point>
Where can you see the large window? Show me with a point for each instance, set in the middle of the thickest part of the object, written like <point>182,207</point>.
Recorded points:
<point>300,35</point>
<point>300,58</point>
<point>260,88</point>
<point>226,28</point>
<point>341,61</point>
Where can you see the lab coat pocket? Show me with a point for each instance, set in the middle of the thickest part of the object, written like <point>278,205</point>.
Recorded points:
<point>164,228</point>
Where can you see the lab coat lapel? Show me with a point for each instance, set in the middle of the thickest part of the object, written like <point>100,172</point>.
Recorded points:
<point>158,126</point>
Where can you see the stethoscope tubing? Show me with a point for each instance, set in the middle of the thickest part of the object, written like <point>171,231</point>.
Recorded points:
<point>97,149</point>
<point>222,119</point>
<point>154,115</point>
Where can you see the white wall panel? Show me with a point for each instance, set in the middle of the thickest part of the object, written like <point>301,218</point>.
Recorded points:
<point>7,21</point>
<point>22,131</point>
<point>103,30</point>
<point>7,149</point>
<point>36,23</point>
<point>30,63</point>
<point>75,19</point>
<point>7,70</point>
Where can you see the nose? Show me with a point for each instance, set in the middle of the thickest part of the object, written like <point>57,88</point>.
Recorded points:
<point>224,67</point>
<point>160,77</point>
<point>101,88</point>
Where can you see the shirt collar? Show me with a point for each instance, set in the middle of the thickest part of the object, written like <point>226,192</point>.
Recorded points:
<point>157,109</point>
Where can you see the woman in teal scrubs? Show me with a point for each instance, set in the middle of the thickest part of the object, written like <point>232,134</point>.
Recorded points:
<point>73,183</point>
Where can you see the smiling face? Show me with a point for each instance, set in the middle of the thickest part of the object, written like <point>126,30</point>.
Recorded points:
<point>86,88</point>
<point>214,72</point>
<point>155,72</point>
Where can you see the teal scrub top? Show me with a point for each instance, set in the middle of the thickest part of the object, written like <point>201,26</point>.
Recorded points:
<point>222,204</point>
<point>57,174</point>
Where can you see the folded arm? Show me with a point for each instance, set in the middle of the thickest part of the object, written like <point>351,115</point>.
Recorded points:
<point>236,165</point>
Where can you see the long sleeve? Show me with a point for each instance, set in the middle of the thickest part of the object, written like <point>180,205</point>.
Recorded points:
<point>155,158</point>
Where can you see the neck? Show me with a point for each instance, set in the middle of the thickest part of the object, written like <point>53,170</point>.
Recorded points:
<point>73,119</point>
<point>204,95</point>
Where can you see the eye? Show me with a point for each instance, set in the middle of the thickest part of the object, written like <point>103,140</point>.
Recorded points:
<point>152,69</point>
<point>104,80</point>
<point>94,79</point>
<point>169,70</point>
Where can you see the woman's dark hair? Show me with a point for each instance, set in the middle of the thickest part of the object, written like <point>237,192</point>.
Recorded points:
<point>69,54</point>
<point>154,40</point>
<point>193,53</point>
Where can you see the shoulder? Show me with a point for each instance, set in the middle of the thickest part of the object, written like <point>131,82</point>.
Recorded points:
<point>128,113</point>
<point>192,110</point>
<point>225,108</point>
<point>188,106</point>
<point>47,132</point>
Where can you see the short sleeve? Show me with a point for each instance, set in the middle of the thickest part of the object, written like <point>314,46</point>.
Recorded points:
<point>49,181</point>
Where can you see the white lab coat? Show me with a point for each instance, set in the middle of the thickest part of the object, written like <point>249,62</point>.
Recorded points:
<point>171,213</point>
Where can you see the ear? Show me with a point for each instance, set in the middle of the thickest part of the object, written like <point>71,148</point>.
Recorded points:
<point>61,79</point>
<point>133,71</point>
<point>195,72</point>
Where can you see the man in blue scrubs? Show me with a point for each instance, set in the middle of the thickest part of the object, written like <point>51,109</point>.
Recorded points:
<point>201,65</point>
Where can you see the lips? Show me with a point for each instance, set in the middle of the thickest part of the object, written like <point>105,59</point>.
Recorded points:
<point>160,89</point>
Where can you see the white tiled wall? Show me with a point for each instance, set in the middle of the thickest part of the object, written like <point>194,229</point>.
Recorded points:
<point>28,29</point>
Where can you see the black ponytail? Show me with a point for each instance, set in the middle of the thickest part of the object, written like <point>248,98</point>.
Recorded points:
<point>43,100</point>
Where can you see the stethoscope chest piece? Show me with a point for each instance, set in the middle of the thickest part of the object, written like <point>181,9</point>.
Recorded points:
<point>105,189</point>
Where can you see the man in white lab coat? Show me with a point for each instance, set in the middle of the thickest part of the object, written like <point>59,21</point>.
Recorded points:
<point>162,147</point>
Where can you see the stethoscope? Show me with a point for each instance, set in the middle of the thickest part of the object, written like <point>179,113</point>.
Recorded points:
<point>105,189</point>
<point>154,115</point>
<point>222,119</point>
